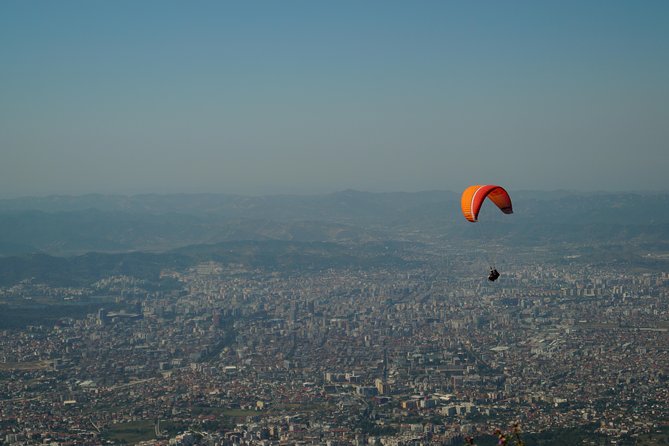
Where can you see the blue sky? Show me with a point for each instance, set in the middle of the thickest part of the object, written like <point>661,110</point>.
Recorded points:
<point>266,97</point>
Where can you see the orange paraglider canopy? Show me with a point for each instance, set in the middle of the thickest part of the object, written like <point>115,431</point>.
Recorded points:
<point>473,196</point>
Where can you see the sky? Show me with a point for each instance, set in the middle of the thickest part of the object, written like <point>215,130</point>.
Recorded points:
<point>302,97</point>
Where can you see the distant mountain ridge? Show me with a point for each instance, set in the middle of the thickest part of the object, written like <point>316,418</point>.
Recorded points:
<point>277,255</point>
<point>343,205</point>
<point>67,225</point>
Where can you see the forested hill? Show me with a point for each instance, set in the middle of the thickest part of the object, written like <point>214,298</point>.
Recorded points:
<point>270,255</point>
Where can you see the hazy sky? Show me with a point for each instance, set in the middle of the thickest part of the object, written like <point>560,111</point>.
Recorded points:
<point>259,97</point>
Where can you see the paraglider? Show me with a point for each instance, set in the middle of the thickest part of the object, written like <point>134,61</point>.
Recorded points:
<point>471,201</point>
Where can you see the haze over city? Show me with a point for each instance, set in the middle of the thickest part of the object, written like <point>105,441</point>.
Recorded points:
<point>314,97</point>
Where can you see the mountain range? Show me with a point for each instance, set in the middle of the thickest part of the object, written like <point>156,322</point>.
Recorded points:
<point>72,225</point>
<point>72,240</point>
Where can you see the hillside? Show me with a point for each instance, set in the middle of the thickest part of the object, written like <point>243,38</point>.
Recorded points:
<point>68,225</point>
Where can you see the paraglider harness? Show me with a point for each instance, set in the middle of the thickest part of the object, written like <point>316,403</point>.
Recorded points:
<point>494,275</point>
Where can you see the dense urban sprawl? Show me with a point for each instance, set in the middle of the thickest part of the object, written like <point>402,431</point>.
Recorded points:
<point>415,355</point>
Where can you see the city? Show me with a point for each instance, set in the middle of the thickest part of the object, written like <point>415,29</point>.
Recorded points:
<point>334,223</point>
<point>385,355</point>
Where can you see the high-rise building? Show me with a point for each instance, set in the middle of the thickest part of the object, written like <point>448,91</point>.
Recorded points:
<point>103,319</point>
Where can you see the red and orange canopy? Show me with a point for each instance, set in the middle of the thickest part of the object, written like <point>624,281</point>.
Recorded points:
<point>473,197</point>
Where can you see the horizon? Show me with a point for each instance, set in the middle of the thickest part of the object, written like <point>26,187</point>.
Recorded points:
<point>334,192</point>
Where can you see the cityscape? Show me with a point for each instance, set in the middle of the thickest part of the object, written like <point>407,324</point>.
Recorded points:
<point>426,352</point>
<point>334,223</point>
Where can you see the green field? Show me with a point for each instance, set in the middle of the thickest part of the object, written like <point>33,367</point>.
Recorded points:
<point>237,413</point>
<point>130,433</point>
<point>136,431</point>
<point>24,366</point>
